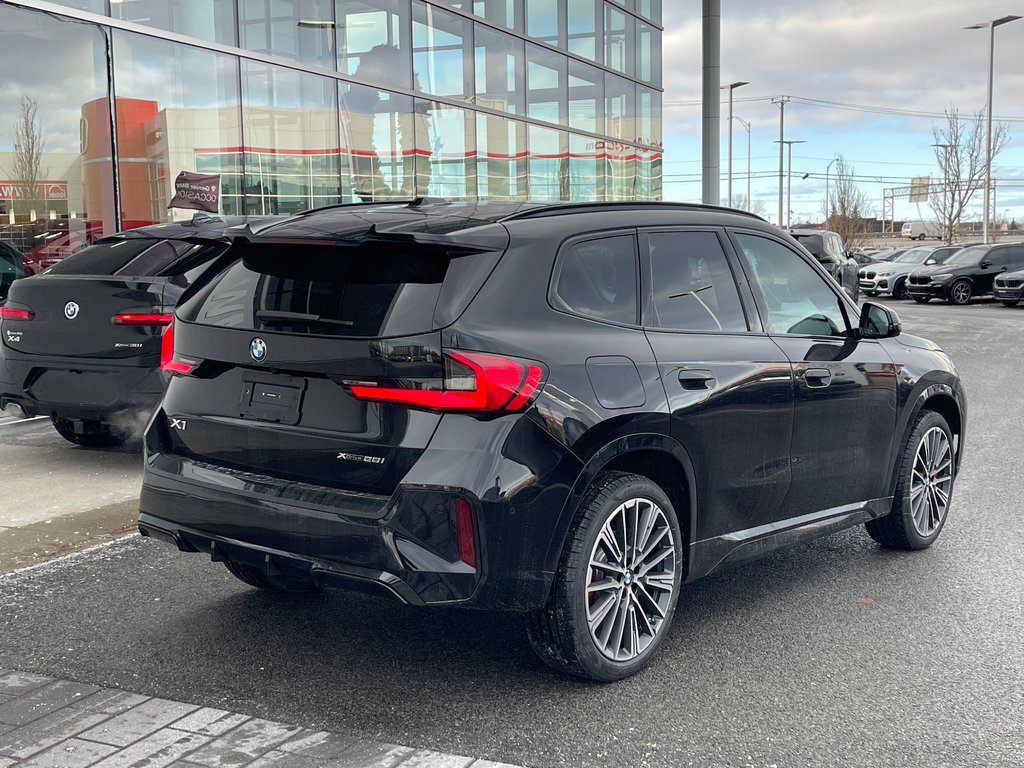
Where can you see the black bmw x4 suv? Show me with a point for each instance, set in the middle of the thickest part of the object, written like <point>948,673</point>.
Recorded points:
<point>563,410</point>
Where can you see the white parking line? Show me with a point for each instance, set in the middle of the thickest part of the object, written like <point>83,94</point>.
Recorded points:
<point>70,557</point>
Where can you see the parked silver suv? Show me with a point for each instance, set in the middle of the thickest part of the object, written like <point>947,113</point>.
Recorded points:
<point>890,278</point>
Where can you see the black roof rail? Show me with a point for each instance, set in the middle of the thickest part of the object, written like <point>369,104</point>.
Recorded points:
<point>413,202</point>
<point>557,209</point>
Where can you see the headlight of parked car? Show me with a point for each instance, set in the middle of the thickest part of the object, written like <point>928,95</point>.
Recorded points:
<point>884,274</point>
<point>941,278</point>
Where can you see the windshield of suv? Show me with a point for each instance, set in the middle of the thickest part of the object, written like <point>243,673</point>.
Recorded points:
<point>968,255</point>
<point>913,256</point>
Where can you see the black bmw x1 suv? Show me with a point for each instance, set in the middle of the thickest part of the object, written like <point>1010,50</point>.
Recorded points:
<point>563,410</point>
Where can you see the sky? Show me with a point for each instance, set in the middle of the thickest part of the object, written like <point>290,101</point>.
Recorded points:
<point>889,56</point>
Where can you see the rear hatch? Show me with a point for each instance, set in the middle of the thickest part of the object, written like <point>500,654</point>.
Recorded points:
<point>109,302</point>
<point>321,361</point>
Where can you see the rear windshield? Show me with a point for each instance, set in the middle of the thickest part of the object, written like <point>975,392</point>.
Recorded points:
<point>129,257</point>
<point>812,243</point>
<point>358,293</point>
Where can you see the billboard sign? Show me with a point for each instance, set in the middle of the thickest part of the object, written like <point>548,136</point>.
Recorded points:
<point>919,189</point>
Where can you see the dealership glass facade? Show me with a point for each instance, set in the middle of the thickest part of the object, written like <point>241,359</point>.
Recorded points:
<point>301,103</point>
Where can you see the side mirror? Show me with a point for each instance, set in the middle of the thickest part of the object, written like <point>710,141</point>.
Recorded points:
<point>986,264</point>
<point>878,322</point>
<point>929,262</point>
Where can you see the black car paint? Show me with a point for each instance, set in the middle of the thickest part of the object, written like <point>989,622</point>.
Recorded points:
<point>981,275</point>
<point>615,396</point>
<point>88,368</point>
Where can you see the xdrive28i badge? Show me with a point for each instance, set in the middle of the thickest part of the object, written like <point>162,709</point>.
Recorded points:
<point>71,310</point>
<point>258,349</point>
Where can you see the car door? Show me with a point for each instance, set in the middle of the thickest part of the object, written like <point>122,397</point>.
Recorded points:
<point>845,388</point>
<point>1003,259</point>
<point>729,386</point>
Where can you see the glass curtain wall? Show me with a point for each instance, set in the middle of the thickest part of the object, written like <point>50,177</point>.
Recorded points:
<point>462,99</point>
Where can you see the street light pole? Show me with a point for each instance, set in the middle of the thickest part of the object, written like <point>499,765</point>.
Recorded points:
<point>828,197</point>
<point>991,27</point>
<point>746,125</point>
<point>789,185</point>
<point>732,87</point>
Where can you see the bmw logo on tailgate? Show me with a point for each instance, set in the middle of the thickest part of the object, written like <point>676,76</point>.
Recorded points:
<point>258,350</point>
<point>71,310</point>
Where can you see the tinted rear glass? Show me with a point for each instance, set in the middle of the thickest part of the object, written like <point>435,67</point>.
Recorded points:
<point>812,243</point>
<point>130,257</point>
<point>348,292</point>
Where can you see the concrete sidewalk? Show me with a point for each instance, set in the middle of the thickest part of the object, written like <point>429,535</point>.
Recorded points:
<point>51,723</point>
<point>59,497</point>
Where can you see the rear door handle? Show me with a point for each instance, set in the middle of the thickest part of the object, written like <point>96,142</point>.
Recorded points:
<point>818,377</point>
<point>697,380</point>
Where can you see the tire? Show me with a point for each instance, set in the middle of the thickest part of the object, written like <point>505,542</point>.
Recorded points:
<point>257,577</point>
<point>899,289</point>
<point>961,292</point>
<point>95,434</point>
<point>922,299</point>
<point>614,600</point>
<point>1009,302</point>
<point>918,512</point>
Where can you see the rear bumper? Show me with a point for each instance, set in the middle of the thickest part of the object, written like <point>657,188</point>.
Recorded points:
<point>401,545</point>
<point>78,389</point>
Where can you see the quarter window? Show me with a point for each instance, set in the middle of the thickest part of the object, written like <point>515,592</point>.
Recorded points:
<point>692,286</point>
<point>597,279</point>
<point>798,299</point>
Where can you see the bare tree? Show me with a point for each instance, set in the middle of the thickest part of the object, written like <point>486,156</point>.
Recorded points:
<point>758,207</point>
<point>847,210</point>
<point>29,144</point>
<point>960,153</point>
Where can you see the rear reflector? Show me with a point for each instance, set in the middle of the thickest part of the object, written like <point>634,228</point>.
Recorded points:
<point>464,531</point>
<point>148,318</point>
<point>10,313</point>
<point>168,362</point>
<point>473,382</point>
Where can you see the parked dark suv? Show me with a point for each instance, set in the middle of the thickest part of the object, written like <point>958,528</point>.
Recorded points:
<point>563,410</point>
<point>81,341</point>
<point>828,248</point>
<point>966,274</point>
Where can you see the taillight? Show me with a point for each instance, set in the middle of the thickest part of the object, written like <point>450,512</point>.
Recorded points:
<point>142,318</point>
<point>464,537</point>
<point>168,362</point>
<point>11,313</point>
<point>473,381</point>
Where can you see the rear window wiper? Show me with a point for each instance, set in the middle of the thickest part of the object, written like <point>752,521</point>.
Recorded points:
<point>273,316</point>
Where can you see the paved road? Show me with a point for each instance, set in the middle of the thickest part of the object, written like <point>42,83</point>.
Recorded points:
<point>834,653</point>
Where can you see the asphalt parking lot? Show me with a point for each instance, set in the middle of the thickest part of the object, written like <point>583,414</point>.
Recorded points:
<point>833,653</point>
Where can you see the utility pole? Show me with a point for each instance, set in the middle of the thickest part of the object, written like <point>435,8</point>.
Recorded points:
<point>781,101</point>
<point>828,197</point>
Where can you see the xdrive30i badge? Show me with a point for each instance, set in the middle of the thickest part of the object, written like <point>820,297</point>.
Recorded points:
<point>71,310</point>
<point>360,457</point>
<point>258,350</point>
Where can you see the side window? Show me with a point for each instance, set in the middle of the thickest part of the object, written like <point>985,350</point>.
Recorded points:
<point>837,247</point>
<point>692,286</point>
<point>597,279</point>
<point>798,299</point>
<point>1014,257</point>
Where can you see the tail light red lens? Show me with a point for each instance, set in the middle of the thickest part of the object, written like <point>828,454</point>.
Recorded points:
<point>473,382</point>
<point>145,319</point>
<point>13,313</point>
<point>168,362</point>
<point>464,536</point>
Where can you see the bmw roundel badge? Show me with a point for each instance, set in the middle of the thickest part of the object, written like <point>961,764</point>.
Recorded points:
<point>71,310</point>
<point>258,350</point>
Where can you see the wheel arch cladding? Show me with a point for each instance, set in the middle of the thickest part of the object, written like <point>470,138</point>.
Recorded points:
<point>941,399</point>
<point>656,457</point>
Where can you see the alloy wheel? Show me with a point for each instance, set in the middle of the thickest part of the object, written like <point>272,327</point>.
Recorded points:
<point>631,579</point>
<point>931,481</point>
<point>961,292</point>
